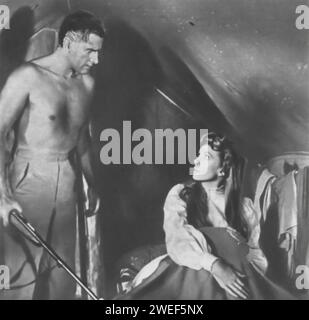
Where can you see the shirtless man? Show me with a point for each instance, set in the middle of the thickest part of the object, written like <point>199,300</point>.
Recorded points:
<point>47,101</point>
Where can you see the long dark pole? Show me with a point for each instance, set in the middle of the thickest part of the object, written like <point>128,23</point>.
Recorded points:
<point>23,221</point>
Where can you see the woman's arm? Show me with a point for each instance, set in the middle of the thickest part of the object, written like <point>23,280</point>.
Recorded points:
<point>185,245</point>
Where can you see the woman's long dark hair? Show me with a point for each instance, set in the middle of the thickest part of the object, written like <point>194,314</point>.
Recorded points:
<point>195,195</point>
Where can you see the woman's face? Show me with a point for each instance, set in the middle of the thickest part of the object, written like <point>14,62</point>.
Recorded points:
<point>207,165</point>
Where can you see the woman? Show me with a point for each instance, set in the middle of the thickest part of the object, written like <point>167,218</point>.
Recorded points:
<point>211,236</point>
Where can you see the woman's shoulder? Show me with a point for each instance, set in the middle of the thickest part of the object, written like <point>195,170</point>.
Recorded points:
<point>176,189</point>
<point>183,186</point>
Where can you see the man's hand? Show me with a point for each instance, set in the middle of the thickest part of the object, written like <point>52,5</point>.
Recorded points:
<point>230,280</point>
<point>7,204</point>
<point>93,202</point>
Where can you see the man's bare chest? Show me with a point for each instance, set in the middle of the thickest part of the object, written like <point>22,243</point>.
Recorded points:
<point>59,104</point>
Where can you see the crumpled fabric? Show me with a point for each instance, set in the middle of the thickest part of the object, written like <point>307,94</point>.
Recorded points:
<point>262,198</point>
<point>286,191</point>
<point>302,240</point>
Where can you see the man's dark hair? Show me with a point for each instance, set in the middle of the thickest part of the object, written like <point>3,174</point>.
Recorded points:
<point>83,22</point>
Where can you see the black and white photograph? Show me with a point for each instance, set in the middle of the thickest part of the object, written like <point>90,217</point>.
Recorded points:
<point>154,150</point>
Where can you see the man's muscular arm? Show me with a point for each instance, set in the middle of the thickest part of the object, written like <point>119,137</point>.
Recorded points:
<point>85,154</point>
<point>12,101</point>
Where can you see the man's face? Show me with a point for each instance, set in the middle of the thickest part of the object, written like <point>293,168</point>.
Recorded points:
<point>84,54</point>
<point>207,164</point>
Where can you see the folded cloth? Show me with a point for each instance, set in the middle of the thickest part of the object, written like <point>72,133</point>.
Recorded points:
<point>285,188</point>
<point>262,198</point>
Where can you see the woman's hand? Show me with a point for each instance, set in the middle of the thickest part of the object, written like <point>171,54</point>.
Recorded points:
<point>234,234</point>
<point>230,280</point>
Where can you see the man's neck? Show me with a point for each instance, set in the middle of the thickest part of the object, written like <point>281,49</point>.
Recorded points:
<point>60,64</point>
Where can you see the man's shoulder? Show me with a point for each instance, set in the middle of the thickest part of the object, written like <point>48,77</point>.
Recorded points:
<point>26,73</point>
<point>89,82</point>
